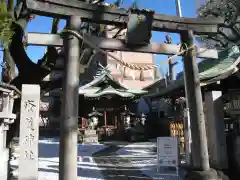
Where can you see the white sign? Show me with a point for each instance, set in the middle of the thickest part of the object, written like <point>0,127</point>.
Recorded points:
<point>167,151</point>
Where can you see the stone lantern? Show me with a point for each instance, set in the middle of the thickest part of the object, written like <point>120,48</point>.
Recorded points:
<point>127,117</point>
<point>93,118</point>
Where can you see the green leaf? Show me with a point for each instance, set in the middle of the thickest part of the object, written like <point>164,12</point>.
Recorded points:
<point>6,21</point>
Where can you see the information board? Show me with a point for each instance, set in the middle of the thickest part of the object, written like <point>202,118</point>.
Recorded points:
<point>167,152</point>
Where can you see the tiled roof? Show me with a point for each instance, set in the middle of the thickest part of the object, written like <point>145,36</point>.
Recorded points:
<point>95,89</point>
<point>214,67</point>
<point>210,70</point>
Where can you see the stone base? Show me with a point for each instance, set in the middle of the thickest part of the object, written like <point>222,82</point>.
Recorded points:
<point>90,137</point>
<point>222,175</point>
<point>202,175</point>
<point>4,156</point>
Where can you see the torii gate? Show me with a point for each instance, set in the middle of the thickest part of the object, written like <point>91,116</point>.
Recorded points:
<point>73,11</point>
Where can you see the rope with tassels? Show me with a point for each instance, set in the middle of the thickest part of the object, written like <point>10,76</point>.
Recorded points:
<point>141,67</point>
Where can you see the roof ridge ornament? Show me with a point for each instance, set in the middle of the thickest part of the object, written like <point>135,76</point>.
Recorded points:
<point>101,70</point>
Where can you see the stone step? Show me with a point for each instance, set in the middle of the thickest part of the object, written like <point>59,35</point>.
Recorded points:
<point>89,140</point>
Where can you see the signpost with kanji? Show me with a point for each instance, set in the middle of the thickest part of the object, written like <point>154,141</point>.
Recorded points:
<point>167,153</point>
<point>29,132</point>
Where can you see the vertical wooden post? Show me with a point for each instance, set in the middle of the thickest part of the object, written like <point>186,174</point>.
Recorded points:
<point>69,119</point>
<point>194,98</point>
<point>29,132</point>
<point>170,63</point>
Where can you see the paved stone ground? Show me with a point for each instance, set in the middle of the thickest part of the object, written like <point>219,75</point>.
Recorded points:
<point>125,167</point>
<point>118,172</point>
<point>117,161</point>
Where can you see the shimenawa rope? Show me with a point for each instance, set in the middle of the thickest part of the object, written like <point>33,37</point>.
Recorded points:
<point>142,67</point>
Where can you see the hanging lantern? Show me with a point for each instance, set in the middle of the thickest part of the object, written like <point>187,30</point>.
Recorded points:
<point>139,27</point>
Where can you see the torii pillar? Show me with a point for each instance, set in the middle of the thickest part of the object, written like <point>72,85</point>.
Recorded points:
<point>69,119</point>
<point>200,160</point>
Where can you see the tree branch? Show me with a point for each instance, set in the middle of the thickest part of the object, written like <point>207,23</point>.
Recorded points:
<point>50,85</point>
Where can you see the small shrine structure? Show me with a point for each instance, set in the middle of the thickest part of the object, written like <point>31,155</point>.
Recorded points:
<point>107,96</point>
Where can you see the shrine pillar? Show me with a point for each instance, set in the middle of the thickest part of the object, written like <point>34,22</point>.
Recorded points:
<point>68,153</point>
<point>214,113</point>
<point>200,169</point>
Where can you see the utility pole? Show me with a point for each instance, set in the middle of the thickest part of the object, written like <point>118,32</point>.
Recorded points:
<point>69,120</point>
<point>171,75</point>
<point>194,97</point>
<point>178,8</point>
<point>187,123</point>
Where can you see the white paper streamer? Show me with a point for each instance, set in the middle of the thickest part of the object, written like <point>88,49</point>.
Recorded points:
<point>132,74</point>
<point>152,74</point>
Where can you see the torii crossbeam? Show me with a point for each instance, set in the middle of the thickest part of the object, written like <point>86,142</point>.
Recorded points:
<point>110,16</point>
<point>44,39</point>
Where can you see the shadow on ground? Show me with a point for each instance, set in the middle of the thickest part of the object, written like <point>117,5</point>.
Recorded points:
<point>98,161</point>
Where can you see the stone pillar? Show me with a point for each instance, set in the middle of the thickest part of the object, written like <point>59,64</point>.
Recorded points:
<point>216,130</point>
<point>29,132</point>
<point>4,154</point>
<point>7,118</point>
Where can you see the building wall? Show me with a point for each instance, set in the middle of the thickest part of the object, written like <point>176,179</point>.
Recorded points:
<point>128,77</point>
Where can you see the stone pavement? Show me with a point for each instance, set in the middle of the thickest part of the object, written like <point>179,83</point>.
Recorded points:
<point>108,161</point>
<point>131,161</point>
<point>120,168</point>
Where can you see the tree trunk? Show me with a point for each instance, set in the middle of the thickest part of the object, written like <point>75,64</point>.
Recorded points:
<point>8,72</point>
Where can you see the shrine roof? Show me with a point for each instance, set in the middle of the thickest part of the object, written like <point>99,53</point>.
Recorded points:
<point>105,84</point>
<point>210,71</point>
<point>4,87</point>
